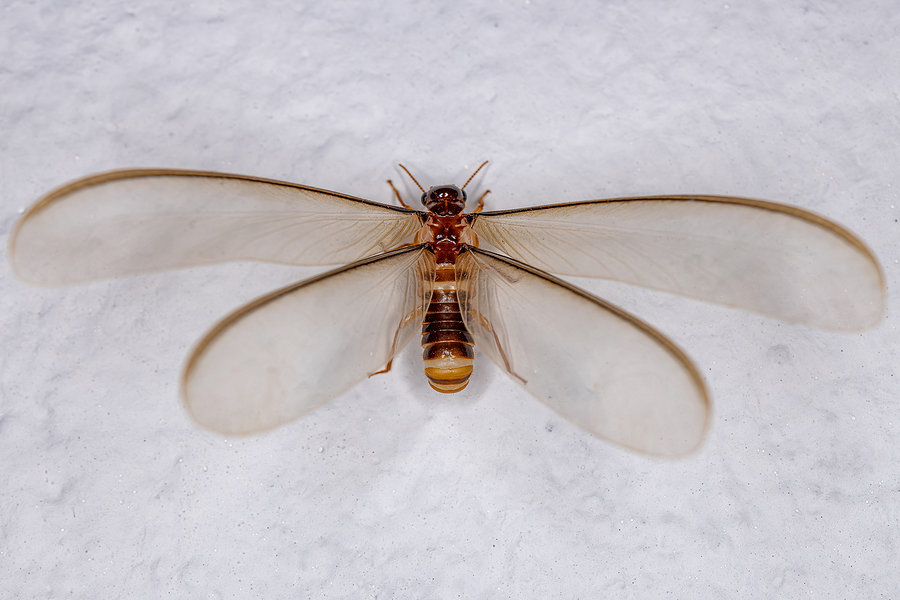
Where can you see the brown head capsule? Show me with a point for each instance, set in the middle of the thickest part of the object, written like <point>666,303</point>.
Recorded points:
<point>445,200</point>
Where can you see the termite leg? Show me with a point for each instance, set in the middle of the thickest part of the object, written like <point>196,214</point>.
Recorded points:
<point>487,325</point>
<point>481,201</point>
<point>403,323</point>
<point>397,195</point>
<point>384,370</point>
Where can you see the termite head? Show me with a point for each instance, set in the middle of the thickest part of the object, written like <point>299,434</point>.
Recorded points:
<point>445,200</point>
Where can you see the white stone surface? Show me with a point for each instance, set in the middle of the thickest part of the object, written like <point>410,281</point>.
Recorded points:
<point>392,491</point>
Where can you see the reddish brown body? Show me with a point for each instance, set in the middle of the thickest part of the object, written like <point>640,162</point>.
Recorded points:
<point>448,348</point>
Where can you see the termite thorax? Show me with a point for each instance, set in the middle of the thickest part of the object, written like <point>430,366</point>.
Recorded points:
<point>446,236</point>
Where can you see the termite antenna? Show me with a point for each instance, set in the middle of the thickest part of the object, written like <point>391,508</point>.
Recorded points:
<point>411,177</point>
<point>481,166</point>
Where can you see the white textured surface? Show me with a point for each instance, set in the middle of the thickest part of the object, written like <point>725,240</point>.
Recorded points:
<point>392,491</point>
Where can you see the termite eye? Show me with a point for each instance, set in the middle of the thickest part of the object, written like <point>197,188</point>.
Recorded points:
<point>425,198</point>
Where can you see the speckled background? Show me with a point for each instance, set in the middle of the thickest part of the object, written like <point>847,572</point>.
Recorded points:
<point>391,491</point>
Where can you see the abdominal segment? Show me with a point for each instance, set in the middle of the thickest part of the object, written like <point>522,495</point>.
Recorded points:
<point>448,349</point>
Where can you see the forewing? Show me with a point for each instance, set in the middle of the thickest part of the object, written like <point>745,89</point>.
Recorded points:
<point>591,362</point>
<point>287,353</point>
<point>137,221</point>
<point>769,258</point>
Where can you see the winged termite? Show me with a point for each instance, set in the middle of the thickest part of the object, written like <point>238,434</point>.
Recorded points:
<point>284,354</point>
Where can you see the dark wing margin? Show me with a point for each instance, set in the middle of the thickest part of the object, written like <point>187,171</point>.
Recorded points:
<point>287,353</point>
<point>599,367</point>
<point>144,220</point>
<point>769,258</point>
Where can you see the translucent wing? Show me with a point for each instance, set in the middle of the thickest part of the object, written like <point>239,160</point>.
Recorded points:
<point>137,221</point>
<point>287,353</point>
<point>769,258</point>
<point>591,362</point>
